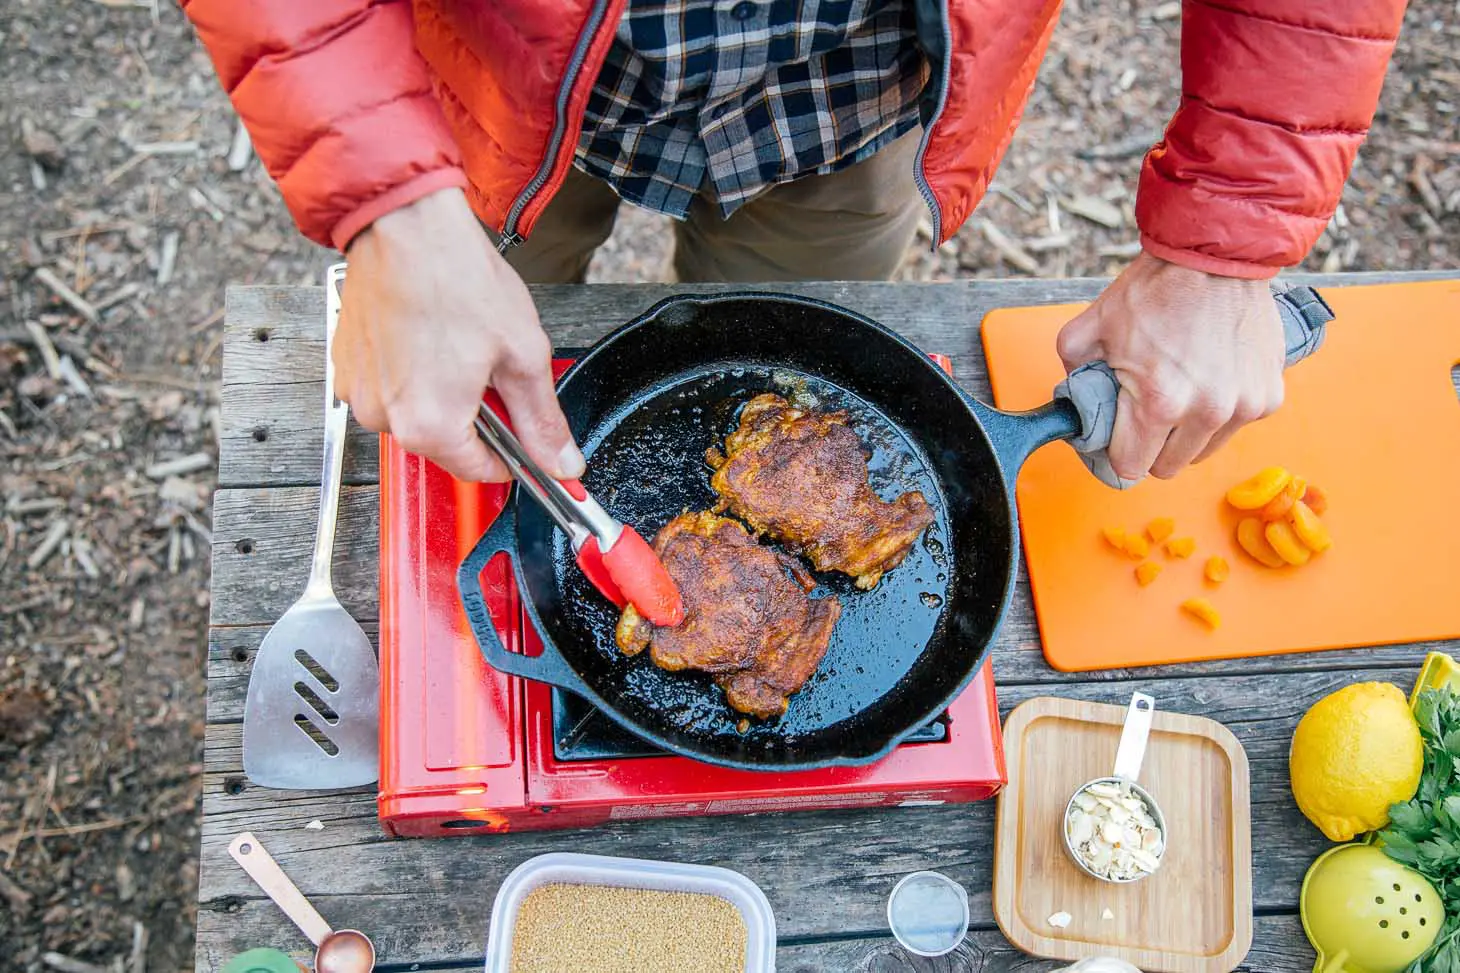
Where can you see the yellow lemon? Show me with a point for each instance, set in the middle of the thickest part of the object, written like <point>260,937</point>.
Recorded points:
<point>1356,752</point>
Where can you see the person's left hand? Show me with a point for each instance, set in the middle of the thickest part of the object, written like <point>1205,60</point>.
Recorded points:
<point>1197,357</point>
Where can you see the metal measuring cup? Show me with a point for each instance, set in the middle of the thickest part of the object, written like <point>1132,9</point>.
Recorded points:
<point>1128,757</point>
<point>335,950</point>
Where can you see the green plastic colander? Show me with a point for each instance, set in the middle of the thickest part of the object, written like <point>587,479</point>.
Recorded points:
<point>1364,912</point>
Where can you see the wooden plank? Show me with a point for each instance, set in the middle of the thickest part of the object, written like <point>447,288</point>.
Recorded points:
<point>231,649</point>
<point>273,381</point>
<point>263,541</point>
<point>1280,948</point>
<point>276,527</point>
<point>827,874</point>
<point>276,385</point>
<point>289,417</point>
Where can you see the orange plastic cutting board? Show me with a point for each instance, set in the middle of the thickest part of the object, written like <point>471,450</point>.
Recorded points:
<point>1373,418</point>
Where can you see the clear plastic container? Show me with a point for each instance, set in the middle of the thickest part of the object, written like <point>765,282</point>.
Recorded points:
<point>928,913</point>
<point>632,873</point>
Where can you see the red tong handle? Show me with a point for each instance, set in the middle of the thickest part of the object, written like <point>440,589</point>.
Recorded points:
<point>590,562</point>
<point>629,572</point>
<point>641,577</point>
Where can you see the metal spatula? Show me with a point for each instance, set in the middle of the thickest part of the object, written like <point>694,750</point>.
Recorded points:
<point>311,718</point>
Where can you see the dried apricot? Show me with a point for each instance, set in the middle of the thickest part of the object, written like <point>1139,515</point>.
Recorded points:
<point>1136,546</point>
<point>1160,529</point>
<point>1310,529</point>
<point>1181,546</point>
<point>1115,537</point>
<point>1147,572</point>
<point>1252,539</point>
<point>1256,492</point>
<point>1216,569</point>
<point>1277,508</point>
<point>1316,499</point>
<point>1203,611</point>
<point>1285,541</point>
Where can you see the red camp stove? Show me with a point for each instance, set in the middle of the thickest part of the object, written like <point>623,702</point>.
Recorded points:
<point>465,749</point>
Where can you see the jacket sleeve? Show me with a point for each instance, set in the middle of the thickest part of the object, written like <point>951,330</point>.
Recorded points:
<point>1277,96</point>
<point>338,104</point>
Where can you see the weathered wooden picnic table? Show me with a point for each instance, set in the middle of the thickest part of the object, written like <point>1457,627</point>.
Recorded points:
<point>426,902</point>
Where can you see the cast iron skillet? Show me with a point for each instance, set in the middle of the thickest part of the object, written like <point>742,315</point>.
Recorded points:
<point>650,398</point>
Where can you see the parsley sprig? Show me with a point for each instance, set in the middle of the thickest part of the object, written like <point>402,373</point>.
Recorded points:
<point>1424,832</point>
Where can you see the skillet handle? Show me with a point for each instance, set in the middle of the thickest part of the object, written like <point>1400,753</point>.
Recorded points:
<point>1016,435</point>
<point>550,667</point>
<point>1094,390</point>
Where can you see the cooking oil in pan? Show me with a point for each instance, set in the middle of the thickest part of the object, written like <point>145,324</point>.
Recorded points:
<point>647,464</point>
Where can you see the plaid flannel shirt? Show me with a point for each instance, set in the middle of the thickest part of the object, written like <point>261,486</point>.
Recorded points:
<point>731,98</point>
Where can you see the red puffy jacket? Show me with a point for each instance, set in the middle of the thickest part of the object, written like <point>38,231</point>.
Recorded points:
<point>358,107</point>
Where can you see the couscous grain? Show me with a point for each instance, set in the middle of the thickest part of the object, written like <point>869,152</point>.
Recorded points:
<point>566,928</point>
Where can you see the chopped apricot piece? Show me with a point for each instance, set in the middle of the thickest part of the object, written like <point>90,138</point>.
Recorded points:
<point>1310,529</point>
<point>1115,537</point>
<point>1285,541</point>
<point>1147,572</point>
<point>1203,611</point>
<point>1181,546</point>
<point>1160,529</point>
<point>1136,546</point>
<point>1256,492</point>
<point>1252,539</point>
<point>1277,508</point>
<point>1316,499</point>
<point>1216,569</point>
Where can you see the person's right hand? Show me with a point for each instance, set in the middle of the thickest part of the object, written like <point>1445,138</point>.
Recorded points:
<point>431,316</point>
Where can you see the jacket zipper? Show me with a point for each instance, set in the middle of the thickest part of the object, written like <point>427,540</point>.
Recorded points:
<point>919,174</point>
<point>510,237</point>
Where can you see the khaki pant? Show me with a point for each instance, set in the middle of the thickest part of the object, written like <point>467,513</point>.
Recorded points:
<point>855,224</point>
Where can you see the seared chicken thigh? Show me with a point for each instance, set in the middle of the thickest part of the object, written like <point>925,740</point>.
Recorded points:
<point>799,476</point>
<point>748,619</point>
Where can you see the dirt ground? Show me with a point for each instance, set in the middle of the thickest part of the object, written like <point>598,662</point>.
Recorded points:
<point>121,223</point>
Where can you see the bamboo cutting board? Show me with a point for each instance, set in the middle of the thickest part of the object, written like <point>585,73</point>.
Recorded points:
<point>1373,418</point>
<point>1194,915</point>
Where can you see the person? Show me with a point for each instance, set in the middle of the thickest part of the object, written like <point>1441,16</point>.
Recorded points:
<point>453,149</point>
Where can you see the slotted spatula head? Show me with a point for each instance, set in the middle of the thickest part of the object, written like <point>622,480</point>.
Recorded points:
<point>312,715</point>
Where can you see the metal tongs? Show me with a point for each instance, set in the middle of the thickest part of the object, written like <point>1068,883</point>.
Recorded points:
<point>613,556</point>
